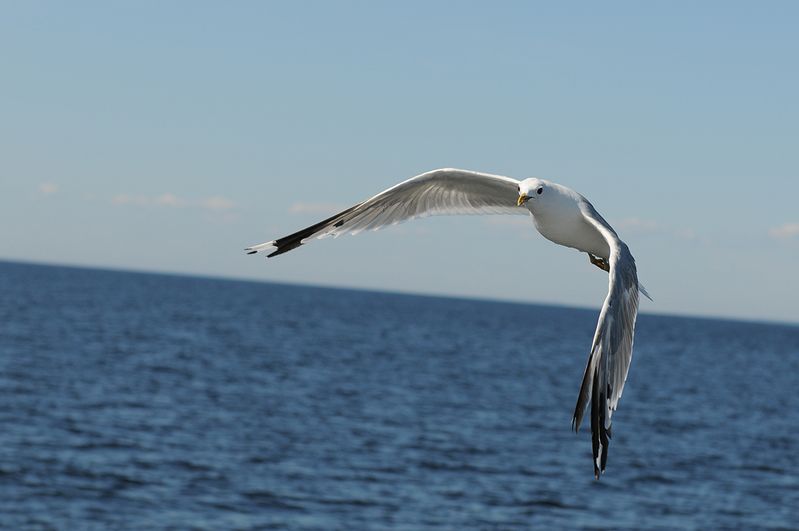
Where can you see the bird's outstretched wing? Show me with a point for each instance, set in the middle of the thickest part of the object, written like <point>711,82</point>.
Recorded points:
<point>445,191</point>
<point>612,348</point>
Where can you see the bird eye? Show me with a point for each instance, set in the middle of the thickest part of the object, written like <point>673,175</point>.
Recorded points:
<point>518,188</point>
<point>539,191</point>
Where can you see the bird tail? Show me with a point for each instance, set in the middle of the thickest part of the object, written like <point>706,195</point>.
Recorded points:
<point>642,291</point>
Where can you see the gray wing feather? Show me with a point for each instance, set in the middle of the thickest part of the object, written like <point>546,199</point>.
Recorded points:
<point>612,347</point>
<point>438,192</point>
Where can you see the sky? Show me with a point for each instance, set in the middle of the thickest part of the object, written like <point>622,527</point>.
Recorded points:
<point>168,136</point>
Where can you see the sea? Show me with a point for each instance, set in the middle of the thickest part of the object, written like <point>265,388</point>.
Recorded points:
<point>151,401</point>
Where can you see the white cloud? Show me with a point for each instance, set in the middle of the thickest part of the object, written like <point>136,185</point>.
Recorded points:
<point>48,188</point>
<point>216,203</point>
<point>785,231</point>
<point>685,234</point>
<point>170,200</point>
<point>316,208</point>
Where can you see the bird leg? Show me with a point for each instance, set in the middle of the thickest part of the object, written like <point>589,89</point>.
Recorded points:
<point>601,263</point>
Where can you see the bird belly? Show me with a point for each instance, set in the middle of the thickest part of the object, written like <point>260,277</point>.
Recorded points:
<point>574,232</point>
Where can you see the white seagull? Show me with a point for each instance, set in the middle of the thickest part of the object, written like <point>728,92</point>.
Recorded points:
<point>562,216</point>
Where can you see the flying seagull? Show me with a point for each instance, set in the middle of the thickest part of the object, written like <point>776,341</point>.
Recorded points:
<point>561,216</point>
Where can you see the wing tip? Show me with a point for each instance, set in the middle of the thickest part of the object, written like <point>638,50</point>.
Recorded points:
<point>576,424</point>
<point>261,247</point>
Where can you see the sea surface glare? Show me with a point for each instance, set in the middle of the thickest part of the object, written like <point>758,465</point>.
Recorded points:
<point>141,401</point>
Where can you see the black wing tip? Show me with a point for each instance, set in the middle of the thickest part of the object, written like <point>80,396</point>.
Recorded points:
<point>603,461</point>
<point>599,433</point>
<point>279,250</point>
<point>292,241</point>
<point>284,247</point>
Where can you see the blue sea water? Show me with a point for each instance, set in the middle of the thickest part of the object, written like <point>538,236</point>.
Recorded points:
<point>142,401</point>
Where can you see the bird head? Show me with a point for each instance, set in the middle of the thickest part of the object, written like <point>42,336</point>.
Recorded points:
<point>529,189</point>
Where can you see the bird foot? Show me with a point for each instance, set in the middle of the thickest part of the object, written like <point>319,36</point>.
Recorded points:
<point>601,263</point>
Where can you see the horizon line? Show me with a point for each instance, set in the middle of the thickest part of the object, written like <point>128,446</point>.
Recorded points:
<point>117,269</point>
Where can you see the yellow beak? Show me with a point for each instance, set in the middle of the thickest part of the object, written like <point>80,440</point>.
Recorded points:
<point>522,199</point>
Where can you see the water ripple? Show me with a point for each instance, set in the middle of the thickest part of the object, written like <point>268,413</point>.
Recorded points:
<point>138,401</point>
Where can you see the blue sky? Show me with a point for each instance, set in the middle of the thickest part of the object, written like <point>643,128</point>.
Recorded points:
<point>167,136</point>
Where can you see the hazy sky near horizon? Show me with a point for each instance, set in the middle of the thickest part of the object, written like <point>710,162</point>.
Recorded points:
<point>168,136</point>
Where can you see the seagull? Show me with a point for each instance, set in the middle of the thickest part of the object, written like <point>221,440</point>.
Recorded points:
<point>562,216</point>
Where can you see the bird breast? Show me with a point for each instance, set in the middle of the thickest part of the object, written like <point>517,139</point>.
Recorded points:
<point>567,227</point>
